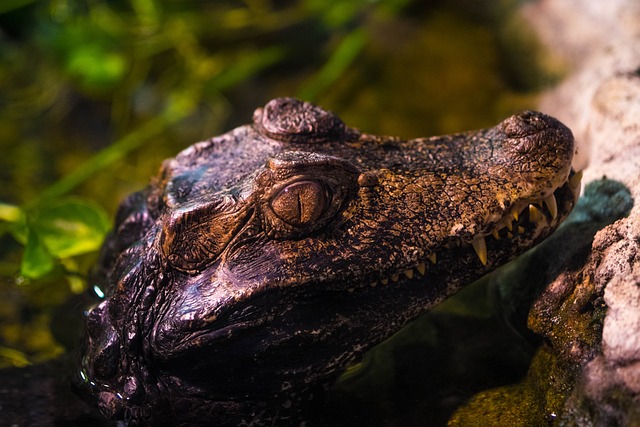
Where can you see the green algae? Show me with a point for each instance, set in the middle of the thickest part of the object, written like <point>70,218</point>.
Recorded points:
<point>535,401</point>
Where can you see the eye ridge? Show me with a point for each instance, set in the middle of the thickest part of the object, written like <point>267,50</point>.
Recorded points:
<point>301,202</point>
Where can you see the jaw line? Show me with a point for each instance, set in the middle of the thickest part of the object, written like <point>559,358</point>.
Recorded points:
<point>553,209</point>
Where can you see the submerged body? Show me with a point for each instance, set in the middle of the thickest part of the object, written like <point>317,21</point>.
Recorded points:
<point>260,263</point>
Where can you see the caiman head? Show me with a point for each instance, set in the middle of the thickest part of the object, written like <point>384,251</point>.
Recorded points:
<point>258,264</point>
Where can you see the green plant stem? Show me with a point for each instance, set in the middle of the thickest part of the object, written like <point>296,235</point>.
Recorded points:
<point>336,65</point>
<point>107,156</point>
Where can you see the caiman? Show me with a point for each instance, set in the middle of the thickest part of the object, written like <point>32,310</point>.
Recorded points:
<point>258,264</point>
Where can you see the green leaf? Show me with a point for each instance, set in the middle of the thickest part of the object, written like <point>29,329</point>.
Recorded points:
<point>36,260</point>
<point>15,222</point>
<point>70,227</point>
<point>73,275</point>
<point>19,231</point>
<point>16,358</point>
<point>96,67</point>
<point>10,213</point>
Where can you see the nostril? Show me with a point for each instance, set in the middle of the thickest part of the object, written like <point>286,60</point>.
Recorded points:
<point>530,115</point>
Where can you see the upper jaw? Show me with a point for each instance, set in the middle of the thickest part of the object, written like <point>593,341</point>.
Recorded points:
<point>516,230</point>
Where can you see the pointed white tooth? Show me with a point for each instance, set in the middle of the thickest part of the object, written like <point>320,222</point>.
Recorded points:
<point>409,273</point>
<point>421,268</point>
<point>507,221</point>
<point>433,258</point>
<point>534,214</point>
<point>480,246</point>
<point>495,234</point>
<point>395,277</point>
<point>384,281</point>
<point>575,181</point>
<point>514,214</point>
<point>550,201</point>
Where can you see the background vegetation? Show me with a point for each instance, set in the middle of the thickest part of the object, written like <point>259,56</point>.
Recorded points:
<point>94,94</point>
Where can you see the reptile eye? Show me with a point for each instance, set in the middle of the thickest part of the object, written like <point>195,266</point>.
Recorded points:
<point>301,203</point>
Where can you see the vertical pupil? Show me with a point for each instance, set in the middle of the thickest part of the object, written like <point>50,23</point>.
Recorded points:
<point>300,203</point>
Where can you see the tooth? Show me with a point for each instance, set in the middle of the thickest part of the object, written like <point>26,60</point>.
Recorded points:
<point>495,234</point>
<point>520,229</point>
<point>384,281</point>
<point>550,201</point>
<point>374,284</point>
<point>433,258</point>
<point>575,180</point>
<point>510,235</point>
<point>508,223</point>
<point>534,214</point>
<point>421,268</point>
<point>480,246</point>
<point>409,273</point>
<point>514,214</point>
<point>351,290</point>
<point>395,277</point>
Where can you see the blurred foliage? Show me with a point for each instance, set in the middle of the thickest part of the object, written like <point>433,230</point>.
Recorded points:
<point>96,93</point>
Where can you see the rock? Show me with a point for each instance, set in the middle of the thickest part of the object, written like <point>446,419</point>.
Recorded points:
<point>600,101</point>
<point>609,387</point>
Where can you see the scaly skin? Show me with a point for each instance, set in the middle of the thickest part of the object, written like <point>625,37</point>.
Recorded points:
<point>261,262</point>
